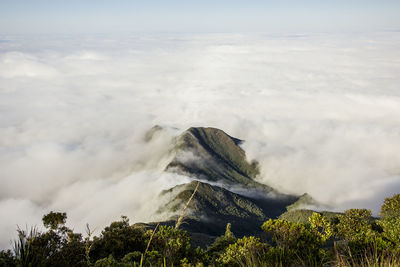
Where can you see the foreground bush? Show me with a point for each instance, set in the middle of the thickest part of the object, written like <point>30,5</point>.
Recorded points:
<point>117,240</point>
<point>390,221</point>
<point>296,242</point>
<point>247,251</point>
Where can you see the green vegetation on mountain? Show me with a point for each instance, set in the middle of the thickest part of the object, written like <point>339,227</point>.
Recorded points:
<point>214,207</point>
<point>215,156</point>
<point>226,148</point>
<point>302,215</point>
<point>303,201</point>
<point>215,201</point>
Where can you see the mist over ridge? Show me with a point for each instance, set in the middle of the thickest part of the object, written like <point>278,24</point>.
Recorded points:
<point>321,114</point>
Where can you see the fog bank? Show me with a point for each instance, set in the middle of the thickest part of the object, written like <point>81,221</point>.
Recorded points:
<point>321,113</point>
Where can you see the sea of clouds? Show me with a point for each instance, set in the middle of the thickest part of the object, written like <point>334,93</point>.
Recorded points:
<point>320,112</point>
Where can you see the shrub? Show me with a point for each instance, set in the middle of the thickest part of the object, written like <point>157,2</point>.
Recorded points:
<point>59,246</point>
<point>355,225</point>
<point>298,242</point>
<point>7,259</point>
<point>117,240</point>
<point>390,221</point>
<point>221,243</point>
<point>173,244</point>
<point>247,251</point>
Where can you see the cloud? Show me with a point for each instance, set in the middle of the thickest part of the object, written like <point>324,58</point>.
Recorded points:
<point>319,112</point>
<point>20,65</point>
<point>15,213</point>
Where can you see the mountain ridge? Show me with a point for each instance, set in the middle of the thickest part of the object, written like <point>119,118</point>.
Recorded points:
<point>228,191</point>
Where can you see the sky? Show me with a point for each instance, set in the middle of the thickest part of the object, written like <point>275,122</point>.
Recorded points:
<point>125,16</point>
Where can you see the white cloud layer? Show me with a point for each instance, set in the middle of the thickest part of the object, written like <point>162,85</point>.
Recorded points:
<point>321,113</point>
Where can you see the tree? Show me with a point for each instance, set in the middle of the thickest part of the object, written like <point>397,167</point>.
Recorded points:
<point>173,244</point>
<point>355,225</point>
<point>391,207</point>
<point>360,234</point>
<point>7,259</point>
<point>59,246</point>
<point>54,220</point>
<point>390,221</point>
<point>117,240</point>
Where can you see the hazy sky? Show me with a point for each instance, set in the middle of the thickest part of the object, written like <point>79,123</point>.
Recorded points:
<point>120,16</point>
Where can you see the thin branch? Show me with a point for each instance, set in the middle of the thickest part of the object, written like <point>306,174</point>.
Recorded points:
<point>148,245</point>
<point>179,221</point>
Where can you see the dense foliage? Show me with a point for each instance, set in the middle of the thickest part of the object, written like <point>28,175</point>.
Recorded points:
<point>353,238</point>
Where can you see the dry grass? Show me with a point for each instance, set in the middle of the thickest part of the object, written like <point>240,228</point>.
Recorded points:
<point>370,257</point>
<point>148,245</point>
<point>368,261</point>
<point>179,221</point>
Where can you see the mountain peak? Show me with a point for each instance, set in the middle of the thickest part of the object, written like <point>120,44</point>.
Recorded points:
<point>211,154</point>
